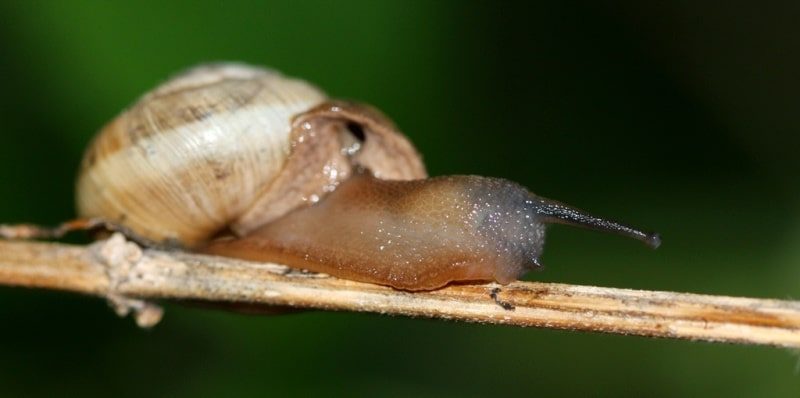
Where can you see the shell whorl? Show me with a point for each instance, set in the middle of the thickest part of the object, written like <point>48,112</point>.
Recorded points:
<point>172,166</point>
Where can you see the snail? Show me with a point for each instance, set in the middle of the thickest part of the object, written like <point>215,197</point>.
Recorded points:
<point>240,161</point>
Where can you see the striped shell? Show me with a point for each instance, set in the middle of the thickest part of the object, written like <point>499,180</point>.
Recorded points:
<point>197,153</point>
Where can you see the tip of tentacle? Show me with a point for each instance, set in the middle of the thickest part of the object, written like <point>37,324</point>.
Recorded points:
<point>653,240</point>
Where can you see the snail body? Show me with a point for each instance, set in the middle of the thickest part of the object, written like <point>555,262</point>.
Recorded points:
<point>244,162</point>
<point>413,235</point>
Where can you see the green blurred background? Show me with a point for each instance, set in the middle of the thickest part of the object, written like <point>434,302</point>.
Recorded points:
<point>679,117</point>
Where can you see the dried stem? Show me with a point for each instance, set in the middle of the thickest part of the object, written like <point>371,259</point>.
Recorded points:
<point>131,277</point>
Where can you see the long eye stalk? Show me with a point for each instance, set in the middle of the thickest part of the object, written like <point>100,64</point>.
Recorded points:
<point>554,212</point>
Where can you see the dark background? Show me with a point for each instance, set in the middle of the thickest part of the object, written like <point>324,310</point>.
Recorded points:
<point>679,118</point>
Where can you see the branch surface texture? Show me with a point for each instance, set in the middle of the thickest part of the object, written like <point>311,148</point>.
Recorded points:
<point>132,279</point>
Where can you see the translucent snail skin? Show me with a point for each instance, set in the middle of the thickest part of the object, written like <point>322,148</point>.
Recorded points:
<point>243,162</point>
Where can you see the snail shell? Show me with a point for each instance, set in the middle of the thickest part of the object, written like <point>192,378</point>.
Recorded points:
<point>230,146</point>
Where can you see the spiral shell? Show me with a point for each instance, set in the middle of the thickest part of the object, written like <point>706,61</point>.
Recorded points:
<point>198,153</point>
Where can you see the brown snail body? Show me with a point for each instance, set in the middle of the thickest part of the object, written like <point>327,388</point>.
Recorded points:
<point>230,149</point>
